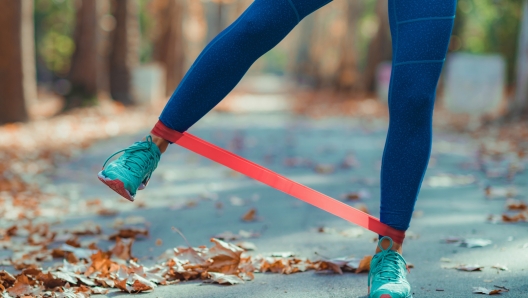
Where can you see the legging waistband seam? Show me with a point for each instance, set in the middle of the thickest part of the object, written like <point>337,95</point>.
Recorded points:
<point>419,61</point>
<point>295,10</point>
<point>426,19</point>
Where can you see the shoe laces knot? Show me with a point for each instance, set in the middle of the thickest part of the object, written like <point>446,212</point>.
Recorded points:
<point>143,158</point>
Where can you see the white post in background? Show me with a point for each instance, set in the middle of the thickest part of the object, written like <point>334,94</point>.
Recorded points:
<point>474,85</point>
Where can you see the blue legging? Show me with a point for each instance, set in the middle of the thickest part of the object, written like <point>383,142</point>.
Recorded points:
<point>420,30</point>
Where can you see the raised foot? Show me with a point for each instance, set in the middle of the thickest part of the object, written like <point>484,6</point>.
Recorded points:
<point>117,186</point>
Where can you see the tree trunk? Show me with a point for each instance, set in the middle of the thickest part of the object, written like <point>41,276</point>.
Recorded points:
<point>17,59</point>
<point>86,61</point>
<point>520,105</point>
<point>305,66</point>
<point>124,55</point>
<point>347,79</point>
<point>168,44</point>
<point>380,48</point>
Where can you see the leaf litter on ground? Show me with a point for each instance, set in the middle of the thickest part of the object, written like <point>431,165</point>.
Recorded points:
<point>482,290</point>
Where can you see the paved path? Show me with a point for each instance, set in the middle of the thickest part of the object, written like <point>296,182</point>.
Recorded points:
<point>289,224</point>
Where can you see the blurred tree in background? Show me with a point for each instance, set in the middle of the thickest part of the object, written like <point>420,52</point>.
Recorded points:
<point>168,40</point>
<point>90,49</point>
<point>489,26</point>
<point>380,47</point>
<point>17,61</point>
<point>88,74</point>
<point>124,52</point>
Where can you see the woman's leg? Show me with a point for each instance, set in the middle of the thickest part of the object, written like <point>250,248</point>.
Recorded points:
<point>226,59</point>
<point>420,31</point>
<point>216,71</point>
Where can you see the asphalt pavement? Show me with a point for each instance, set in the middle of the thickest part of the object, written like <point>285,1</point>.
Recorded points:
<point>187,190</point>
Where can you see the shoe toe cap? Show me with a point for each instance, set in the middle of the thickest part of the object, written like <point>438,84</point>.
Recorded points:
<point>391,290</point>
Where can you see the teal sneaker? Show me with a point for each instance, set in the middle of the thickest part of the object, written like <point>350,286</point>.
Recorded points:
<point>387,274</point>
<point>132,170</point>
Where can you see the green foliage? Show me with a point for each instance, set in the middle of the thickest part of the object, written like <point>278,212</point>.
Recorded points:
<point>145,26</point>
<point>54,25</point>
<point>490,26</point>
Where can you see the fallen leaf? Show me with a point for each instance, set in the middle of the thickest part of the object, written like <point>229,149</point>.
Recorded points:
<point>225,278</point>
<point>286,254</point>
<point>362,207</point>
<point>475,242</point>
<point>516,205</point>
<point>123,248</point>
<point>86,228</point>
<point>245,245</point>
<point>250,215</point>
<point>515,218</point>
<point>131,232</point>
<point>364,264</point>
<point>21,287</point>
<point>500,267</point>
<point>469,268</point>
<point>225,256</point>
<point>481,290</point>
<point>107,212</point>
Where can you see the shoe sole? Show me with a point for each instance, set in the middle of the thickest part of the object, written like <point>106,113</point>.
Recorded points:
<point>116,185</point>
<point>388,295</point>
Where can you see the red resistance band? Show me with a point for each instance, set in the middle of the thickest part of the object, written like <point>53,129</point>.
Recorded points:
<point>277,181</point>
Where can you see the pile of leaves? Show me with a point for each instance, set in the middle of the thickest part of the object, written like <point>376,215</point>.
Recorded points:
<point>86,271</point>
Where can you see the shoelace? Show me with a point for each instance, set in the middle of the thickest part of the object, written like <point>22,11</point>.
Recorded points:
<point>143,159</point>
<point>387,267</point>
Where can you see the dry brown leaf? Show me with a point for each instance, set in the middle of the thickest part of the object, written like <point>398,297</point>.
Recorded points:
<point>130,233</point>
<point>516,205</point>
<point>352,196</point>
<point>86,228</point>
<point>123,248</point>
<point>362,207</point>
<point>515,218</point>
<point>364,264</point>
<point>247,246</point>
<point>49,281</point>
<point>481,290</point>
<point>500,267</point>
<point>21,287</point>
<point>250,215</point>
<point>469,268</point>
<point>225,278</point>
<point>225,256</point>
<point>191,256</point>
<point>107,212</point>
<point>6,279</point>
<point>329,265</point>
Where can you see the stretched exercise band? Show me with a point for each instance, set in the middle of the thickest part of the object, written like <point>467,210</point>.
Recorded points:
<point>277,181</point>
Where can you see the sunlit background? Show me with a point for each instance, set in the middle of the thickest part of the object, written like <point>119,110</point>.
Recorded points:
<point>81,79</point>
<point>62,54</point>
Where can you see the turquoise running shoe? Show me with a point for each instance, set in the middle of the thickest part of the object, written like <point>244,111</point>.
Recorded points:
<point>387,274</point>
<point>132,170</point>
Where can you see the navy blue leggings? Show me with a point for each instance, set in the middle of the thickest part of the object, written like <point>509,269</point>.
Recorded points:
<point>420,30</point>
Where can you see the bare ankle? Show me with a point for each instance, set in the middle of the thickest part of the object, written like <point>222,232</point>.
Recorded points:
<point>395,246</point>
<point>160,142</point>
